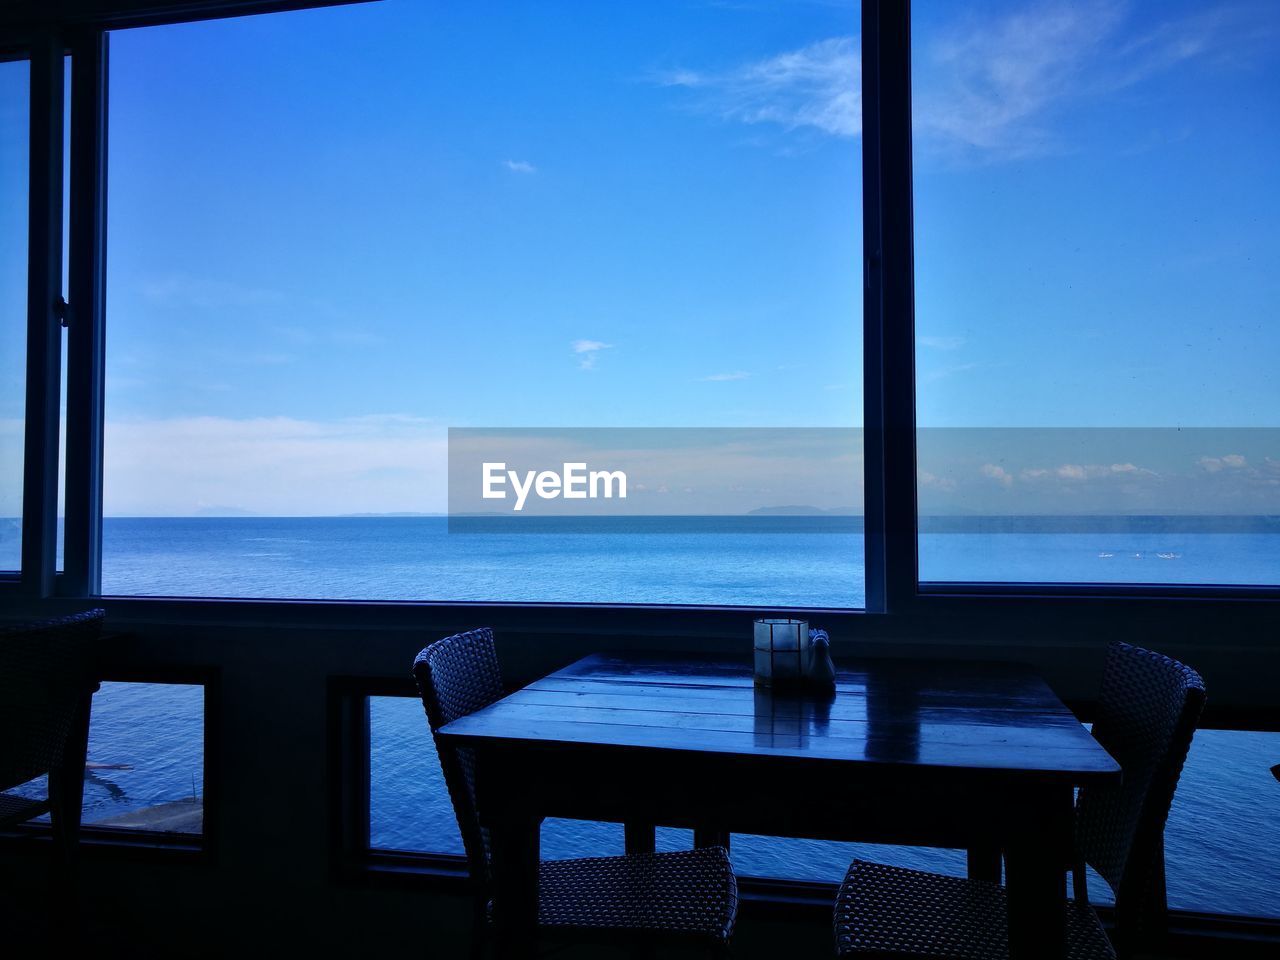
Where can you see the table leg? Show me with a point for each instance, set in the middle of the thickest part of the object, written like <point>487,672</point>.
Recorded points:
<point>984,862</point>
<point>513,844</point>
<point>710,837</point>
<point>1036,855</point>
<point>639,837</point>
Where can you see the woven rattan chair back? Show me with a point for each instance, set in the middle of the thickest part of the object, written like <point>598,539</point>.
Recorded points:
<point>45,669</point>
<point>457,676</point>
<point>1148,709</point>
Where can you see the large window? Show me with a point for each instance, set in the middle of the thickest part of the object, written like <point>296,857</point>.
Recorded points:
<point>336,233</point>
<point>1096,216</point>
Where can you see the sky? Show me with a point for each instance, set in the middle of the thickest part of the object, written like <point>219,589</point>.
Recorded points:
<point>334,234</point>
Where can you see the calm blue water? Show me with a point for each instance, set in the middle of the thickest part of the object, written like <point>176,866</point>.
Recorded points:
<point>1223,835</point>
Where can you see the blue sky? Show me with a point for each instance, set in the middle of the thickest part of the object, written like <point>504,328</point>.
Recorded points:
<point>335,233</point>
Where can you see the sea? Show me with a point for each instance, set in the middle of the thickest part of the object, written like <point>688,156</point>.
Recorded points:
<point>1223,836</point>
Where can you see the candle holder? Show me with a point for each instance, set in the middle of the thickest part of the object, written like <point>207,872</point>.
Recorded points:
<point>781,652</point>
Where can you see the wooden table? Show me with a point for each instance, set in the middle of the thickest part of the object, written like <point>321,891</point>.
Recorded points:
<point>980,756</point>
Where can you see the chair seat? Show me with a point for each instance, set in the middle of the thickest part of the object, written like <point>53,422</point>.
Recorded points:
<point>688,893</point>
<point>884,911</point>
<point>15,810</point>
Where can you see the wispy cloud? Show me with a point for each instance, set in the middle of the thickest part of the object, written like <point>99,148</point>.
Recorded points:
<point>997,473</point>
<point>993,86</point>
<point>987,86</point>
<point>945,484</point>
<point>190,291</point>
<point>588,352</point>
<point>1071,472</point>
<point>724,377</point>
<point>941,343</point>
<point>816,87</point>
<point>1223,33</point>
<point>519,166</point>
<point>988,82</point>
<point>1088,471</point>
<point>1230,461</point>
<point>933,376</point>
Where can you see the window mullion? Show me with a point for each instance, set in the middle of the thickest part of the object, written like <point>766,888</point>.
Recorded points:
<point>87,253</point>
<point>44,331</point>
<point>889,308</point>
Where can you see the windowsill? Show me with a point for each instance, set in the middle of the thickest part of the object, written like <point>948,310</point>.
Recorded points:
<point>110,841</point>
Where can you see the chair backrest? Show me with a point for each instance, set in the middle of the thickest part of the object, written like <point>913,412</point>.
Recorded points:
<point>45,672</point>
<point>457,676</point>
<point>1147,712</point>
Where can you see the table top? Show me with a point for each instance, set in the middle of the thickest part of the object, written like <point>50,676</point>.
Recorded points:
<point>996,717</point>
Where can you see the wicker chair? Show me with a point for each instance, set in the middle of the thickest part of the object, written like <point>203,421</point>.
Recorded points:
<point>46,685</point>
<point>689,896</point>
<point>1147,713</point>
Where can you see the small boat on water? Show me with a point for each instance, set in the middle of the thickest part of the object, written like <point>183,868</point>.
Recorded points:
<point>1169,556</point>
<point>1105,556</point>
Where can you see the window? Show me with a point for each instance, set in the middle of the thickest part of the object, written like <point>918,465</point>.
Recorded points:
<point>14,157</point>
<point>144,774</point>
<point>141,773</point>
<point>325,254</point>
<point>409,807</point>
<point>1095,212</point>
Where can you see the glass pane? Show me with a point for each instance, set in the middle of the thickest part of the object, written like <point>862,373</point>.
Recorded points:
<point>336,234</point>
<point>409,806</point>
<point>1223,836</point>
<point>145,765</point>
<point>1222,841</point>
<point>15,80</point>
<point>1096,215</point>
